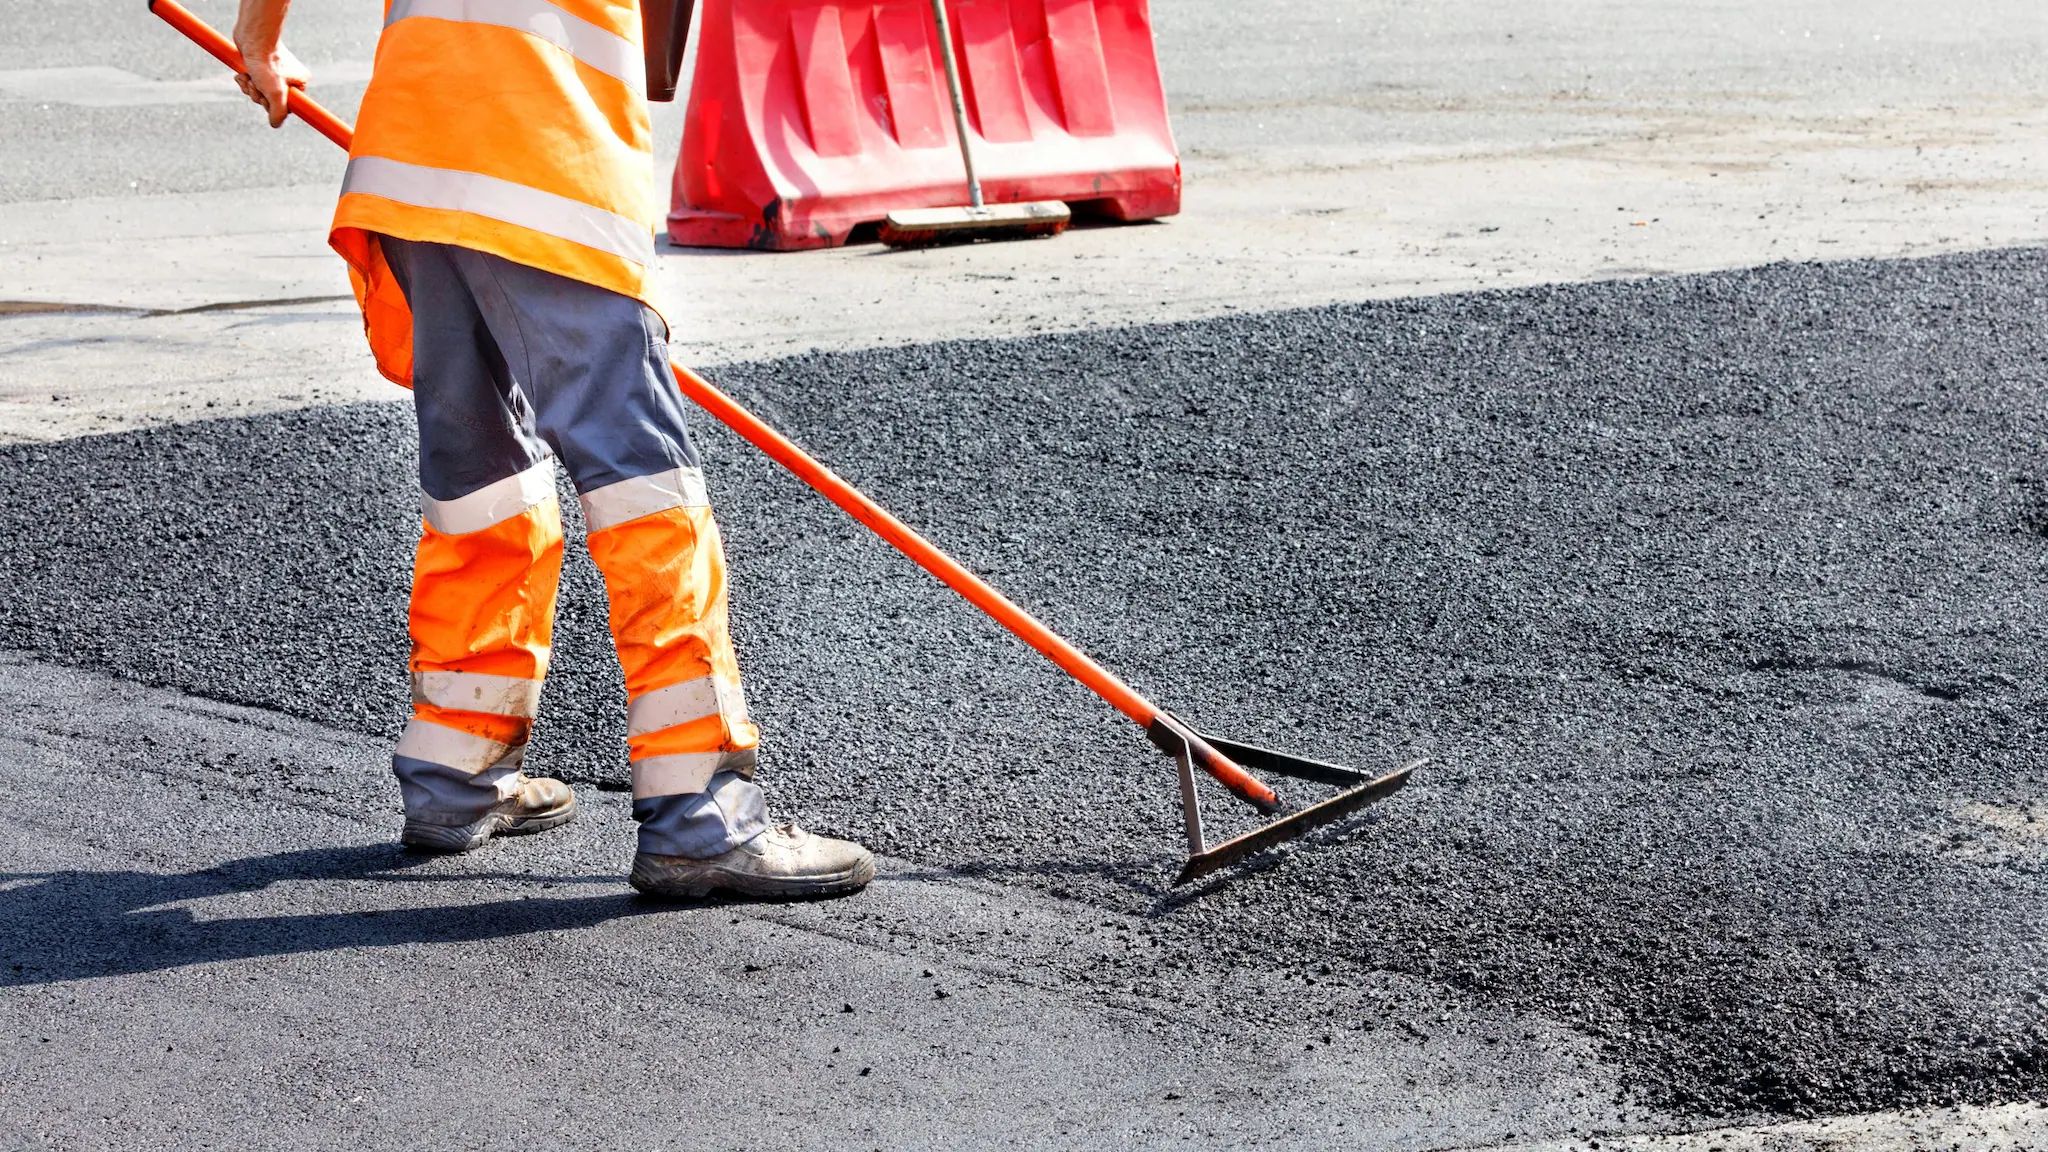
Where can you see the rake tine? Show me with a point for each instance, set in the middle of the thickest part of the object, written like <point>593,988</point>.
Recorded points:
<point>1307,820</point>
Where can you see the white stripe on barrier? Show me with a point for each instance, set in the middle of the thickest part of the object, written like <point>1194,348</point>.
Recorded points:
<point>450,747</point>
<point>677,774</point>
<point>600,48</point>
<point>614,504</point>
<point>453,190</point>
<point>493,503</point>
<point>477,692</point>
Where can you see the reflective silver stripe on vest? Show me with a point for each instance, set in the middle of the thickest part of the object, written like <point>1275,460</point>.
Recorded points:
<point>452,748</point>
<point>453,191</point>
<point>614,504</point>
<point>600,48</point>
<point>477,692</point>
<point>493,503</point>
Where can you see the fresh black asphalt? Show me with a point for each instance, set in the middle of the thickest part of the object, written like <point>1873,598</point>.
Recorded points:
<point>1719,601</point>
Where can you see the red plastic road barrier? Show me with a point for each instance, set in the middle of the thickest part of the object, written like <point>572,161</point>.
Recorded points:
<point>828,484</point>
<point>808,118</point>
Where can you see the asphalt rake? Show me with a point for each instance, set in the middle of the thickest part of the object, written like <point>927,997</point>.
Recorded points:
<point>1223,760</point>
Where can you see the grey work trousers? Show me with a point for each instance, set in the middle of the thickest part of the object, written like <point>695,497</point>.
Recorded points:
<point>513,365</point>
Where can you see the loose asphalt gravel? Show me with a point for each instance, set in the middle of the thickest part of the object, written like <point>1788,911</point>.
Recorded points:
<point>1718,600</point>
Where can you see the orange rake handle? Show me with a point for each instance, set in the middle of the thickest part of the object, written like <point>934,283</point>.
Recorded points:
<point>855,503</point>
<point>956,576</point>
<point>223,49</point>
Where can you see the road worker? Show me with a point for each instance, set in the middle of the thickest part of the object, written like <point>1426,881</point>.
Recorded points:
<point>497,218</point>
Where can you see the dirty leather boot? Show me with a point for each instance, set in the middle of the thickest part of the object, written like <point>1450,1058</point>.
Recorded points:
<point>781,861</point>
<point>537,805</point>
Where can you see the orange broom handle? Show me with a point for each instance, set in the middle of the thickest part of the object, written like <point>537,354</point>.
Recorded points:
<point>826,483</point>
<point>222,49</point>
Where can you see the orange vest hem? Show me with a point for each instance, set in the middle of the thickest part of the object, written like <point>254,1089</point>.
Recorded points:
<point>387,317</point>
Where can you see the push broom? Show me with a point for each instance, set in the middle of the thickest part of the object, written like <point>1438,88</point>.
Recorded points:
<point>1225,760</point>
<point>927,227</point>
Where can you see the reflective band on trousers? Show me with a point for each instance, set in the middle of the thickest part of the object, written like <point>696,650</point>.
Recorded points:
<point>607,52</point>
<point>676,775</point>
<point>477,692</point>
<point>615,504</point>
<point>454,191</point>
<point>682,703</point>
<point>452,748</point>
<point>493,503</point>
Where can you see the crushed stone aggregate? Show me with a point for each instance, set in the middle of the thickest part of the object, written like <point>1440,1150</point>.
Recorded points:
<point>1719,601</point>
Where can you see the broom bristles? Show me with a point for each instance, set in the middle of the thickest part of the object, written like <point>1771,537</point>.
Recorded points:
<point>929,227</point>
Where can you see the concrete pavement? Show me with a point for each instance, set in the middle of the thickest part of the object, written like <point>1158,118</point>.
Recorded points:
<point>1347,152</point>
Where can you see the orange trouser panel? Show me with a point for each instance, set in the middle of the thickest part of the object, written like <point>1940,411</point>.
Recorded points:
<point>706,734</point>
<point>665,574</point>
<point>511,730</point>
<point>485,601</point>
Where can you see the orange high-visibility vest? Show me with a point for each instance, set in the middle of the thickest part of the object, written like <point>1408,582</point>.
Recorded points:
<point>515,127</point>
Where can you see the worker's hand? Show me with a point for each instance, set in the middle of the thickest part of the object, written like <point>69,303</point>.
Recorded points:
<point>269,76</point>
<point>272,70</point>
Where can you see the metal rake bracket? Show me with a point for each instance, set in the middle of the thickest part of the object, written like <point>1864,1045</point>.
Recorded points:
<point>1184,744</point>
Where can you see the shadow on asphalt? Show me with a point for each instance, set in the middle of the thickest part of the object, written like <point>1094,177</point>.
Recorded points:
<point>75,925</point>
<point>1150,878</point>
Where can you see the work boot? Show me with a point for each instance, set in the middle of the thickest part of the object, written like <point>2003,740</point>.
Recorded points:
<point>538,805</point>
<point>782,861</point>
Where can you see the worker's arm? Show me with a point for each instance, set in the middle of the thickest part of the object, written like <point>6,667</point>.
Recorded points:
<point>259,36</point>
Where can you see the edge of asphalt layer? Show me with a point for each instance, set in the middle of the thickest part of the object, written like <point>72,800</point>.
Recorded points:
<point>1717,596</point>
<point>1999,1128</point>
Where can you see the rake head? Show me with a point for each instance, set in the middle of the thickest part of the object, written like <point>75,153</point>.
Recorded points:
<point>1190,748</point>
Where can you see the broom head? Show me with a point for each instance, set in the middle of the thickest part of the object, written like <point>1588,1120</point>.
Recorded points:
<point>927,227</point>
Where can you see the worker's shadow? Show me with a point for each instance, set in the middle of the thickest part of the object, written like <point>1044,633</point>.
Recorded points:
<point>75,925</point>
